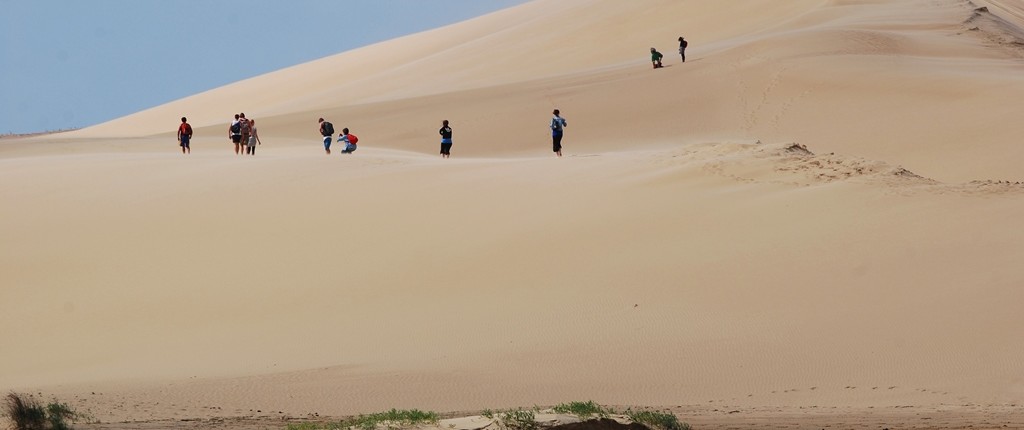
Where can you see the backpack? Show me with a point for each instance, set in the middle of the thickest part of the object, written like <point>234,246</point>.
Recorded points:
<point>236,127</point>
<point>328,128</point>
<point>352,138</point>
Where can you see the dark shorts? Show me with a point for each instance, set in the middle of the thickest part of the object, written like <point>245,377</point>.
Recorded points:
<point>446,148</point>
<point>556,142</point>
<point>237,138</point>
<point>184,141</point>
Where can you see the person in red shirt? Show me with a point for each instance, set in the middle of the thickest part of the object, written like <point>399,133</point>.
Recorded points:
<point>184,136</point>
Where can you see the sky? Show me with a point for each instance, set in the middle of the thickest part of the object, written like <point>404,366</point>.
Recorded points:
<point>74,63</point>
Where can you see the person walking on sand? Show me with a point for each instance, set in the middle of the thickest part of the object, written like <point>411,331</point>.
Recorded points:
<point>557,125</point>
<point>235,134</point>
<point>254,138</point>
<point>682,48</point>
<point>350,141</point>
<point>327,131</point>
<point>446,139</point>
<point>656,58</point>
<point>184,136</point>
<point>245,130</point>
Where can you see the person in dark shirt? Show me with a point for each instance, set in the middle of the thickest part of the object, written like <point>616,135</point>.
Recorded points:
<point>327,132</point>
<point>446,139</point>
<point>557,126</point>
<point>656,58</point>
<point>682,48</point>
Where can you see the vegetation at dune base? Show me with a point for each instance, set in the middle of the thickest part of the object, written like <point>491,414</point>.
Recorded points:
<point>25,413</point>
<point>391,419</point>
<point>651,418</point>
<point>657,420</point>
<point>519,419</point>
<point>511,419</point>
<point>583,410</point>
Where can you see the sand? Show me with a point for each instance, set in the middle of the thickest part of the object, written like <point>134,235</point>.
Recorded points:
<point>813,220</point>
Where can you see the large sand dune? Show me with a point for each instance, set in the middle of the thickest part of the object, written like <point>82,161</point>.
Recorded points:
<point>818,208</point>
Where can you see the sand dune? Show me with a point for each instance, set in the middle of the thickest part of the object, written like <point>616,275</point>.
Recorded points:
<point>819,208</point>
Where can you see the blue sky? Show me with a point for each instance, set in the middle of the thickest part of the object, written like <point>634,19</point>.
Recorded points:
<point>74,63</point>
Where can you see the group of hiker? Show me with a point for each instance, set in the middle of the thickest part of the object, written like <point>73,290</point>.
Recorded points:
<point>327,131</point>
<point>656,56</point>
<point>557,124</point>
<point>242,133</point>
<point>242,130</point>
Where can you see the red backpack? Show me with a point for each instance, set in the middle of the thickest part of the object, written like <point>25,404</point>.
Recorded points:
<point>352,138</point>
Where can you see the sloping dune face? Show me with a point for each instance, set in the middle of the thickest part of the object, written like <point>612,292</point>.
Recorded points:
<point>535,41</point>
<point>819,208</point>
<point>871,78</point>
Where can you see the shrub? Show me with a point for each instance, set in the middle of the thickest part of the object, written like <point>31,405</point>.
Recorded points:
<point>659,420</point>
<point>28,414</point>
<point>519,419</point>
<point>582,409</point>
<point>390,419</point>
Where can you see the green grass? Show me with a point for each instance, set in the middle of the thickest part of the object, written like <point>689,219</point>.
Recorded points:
<point>309,426</point>
<point>519,419</point>
<point>391,419</point>
<point>583,410</point>
<point>657,420</point>
<point>27,414</point>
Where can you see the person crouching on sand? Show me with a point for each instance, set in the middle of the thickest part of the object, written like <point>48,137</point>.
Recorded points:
<point>350,141</point>
<point>656,58</point>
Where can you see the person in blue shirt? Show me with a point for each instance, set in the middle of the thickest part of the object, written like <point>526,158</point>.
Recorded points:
<point>557,125</point>
<point>349,139</point>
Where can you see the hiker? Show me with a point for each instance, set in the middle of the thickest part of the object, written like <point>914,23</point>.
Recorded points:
<point>235,134</point>
<point>682,48</point>
<point>327,131</point>
<point>184,136</point>
<point>245,130</point>
<point>656,58</point>
<point>254,138</point>
<point>557,125</point>
<point>350,141</point>
<point>446,139</point>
